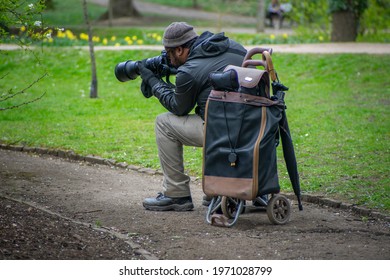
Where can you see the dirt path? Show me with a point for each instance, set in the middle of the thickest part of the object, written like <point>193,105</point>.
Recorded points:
<point>73,194</point>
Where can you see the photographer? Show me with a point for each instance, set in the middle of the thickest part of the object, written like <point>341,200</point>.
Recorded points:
<point>194,57</point>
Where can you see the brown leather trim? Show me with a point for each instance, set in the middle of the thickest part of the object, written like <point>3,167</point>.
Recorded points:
<point>256,150</point>
<point>241,188</point>
<point>236,97</point>
<point>204,138</point>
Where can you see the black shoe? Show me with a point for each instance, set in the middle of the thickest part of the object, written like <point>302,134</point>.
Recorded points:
<point>206,200</point>
<point>164,203</point>
<point>261,201</point>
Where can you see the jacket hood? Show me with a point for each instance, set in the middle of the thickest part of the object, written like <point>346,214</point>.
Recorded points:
<point>209,45</point>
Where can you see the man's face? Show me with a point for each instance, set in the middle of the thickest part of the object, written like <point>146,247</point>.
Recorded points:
<point>177,56</point>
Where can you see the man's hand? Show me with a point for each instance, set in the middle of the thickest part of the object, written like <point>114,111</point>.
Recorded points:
<point>144,72</point>
<point>146,89</point>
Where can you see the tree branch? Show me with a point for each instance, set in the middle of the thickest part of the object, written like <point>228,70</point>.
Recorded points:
<point>22,104</point>
<point>10,95</point>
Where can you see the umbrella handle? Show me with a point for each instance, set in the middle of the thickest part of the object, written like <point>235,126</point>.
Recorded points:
<point>270,65</point>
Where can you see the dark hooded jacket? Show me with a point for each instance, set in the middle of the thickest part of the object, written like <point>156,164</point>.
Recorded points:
<point>210,52</point>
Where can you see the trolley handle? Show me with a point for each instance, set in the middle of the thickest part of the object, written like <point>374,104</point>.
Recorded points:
<point>266,60</point>
<point>254,51</point>
<point>250,62</point>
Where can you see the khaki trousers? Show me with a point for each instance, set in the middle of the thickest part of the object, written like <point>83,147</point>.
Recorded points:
<point>172,132</point>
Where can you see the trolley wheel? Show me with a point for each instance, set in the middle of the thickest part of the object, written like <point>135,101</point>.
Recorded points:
<point>229,206</point>
<point>279,210</point>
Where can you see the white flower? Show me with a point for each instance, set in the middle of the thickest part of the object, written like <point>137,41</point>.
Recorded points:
<point>38,23</point>
<point>31,6</point>
<point>48,35</point>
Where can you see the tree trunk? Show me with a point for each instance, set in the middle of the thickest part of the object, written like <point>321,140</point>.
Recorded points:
<point>110,13</point>
<point>260,17</point>
<point>94,83</point>
<point>121,8</point>
<point>344,26</point>
<point>195,4</point>
<point>48,4</point>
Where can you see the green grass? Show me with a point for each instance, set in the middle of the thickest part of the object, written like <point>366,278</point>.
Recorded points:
<point>70,13</point>
<point>338,110</point>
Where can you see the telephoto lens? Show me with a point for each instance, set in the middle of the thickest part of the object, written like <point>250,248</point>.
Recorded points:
<point>159,65</point>
<point>127,70</point>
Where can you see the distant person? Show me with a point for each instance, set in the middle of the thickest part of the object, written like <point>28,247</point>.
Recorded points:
<point>194,56</point>
<point>275,13</point>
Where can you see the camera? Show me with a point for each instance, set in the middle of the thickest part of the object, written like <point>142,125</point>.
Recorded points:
<point>159,65</point>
